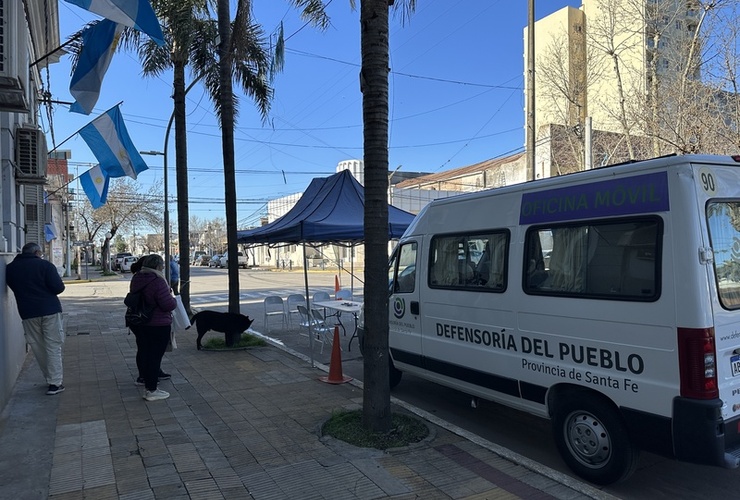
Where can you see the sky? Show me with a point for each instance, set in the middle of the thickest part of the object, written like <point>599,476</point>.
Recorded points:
<point>456,99</point>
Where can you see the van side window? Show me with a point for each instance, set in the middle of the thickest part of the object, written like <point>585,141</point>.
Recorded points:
<point>724,235</point>
<point>599,259</point>
<point>469,261</point>
<point>405,281</point>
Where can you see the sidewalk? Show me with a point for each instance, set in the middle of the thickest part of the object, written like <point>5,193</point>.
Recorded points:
<point>241,424</point>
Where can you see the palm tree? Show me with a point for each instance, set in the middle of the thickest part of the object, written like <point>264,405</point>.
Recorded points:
<point>376,405</point>
<point>186,29</point>
<point>238,55</point>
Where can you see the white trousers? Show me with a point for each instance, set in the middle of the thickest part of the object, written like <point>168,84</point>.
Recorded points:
<point>45,335</point>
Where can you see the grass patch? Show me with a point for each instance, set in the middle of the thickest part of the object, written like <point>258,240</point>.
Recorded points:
<point>247,340</point>
<point>347,426</point>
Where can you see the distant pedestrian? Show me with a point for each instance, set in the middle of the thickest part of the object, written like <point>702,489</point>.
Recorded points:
<point>36,285</point>
<point>152,338</point>
<point>174,275</point>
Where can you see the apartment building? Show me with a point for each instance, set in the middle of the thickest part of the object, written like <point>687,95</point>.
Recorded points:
<point>608,63</point>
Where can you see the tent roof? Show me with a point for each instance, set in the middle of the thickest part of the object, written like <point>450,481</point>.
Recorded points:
<point>331,210</point>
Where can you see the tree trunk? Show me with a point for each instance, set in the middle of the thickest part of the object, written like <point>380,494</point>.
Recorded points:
<point>374,87</point>
<point>227,143</point>
<point>181,173</point>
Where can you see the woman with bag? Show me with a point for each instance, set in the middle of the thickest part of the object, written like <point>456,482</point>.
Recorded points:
<point>153,337</point>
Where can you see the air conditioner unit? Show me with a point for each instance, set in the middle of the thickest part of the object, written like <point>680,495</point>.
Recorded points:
<point>30,156</point>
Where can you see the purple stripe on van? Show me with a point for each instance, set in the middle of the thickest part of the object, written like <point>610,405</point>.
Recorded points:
<point>630,195</point>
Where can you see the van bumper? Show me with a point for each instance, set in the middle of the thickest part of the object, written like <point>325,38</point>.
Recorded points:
<point>701,436</point>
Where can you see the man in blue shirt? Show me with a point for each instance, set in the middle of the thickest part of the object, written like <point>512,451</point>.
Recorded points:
<point>174,276</point>
<point>36,285</point>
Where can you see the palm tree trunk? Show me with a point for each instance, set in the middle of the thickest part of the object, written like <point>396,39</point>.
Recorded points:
<point>374,87</point>
<point>227,143</point>
<point>181,173</point>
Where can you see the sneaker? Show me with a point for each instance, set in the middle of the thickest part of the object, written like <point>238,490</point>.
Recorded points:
<point>140,381</point>
<point>156,395</point>
<point>55,389</point>
<point>163,376</point>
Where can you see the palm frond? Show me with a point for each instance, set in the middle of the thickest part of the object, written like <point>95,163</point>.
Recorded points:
<point>313,12</point>
<point>278,56</point>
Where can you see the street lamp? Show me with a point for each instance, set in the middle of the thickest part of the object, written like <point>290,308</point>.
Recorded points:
<point>108,236</point>
<point>166,203</point>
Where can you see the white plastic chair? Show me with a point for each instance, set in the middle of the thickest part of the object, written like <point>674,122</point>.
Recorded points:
<point>274,307</point>
<point>291,305</point>
<point>324,332</point>
<point>320,297</point>
<point>343,294</point>
<point>305,321</point>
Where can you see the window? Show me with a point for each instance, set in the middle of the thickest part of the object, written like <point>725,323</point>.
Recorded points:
<point>406,272</point>
<point>599,259</point>
<point>724,235</point>
<point>469,261</point>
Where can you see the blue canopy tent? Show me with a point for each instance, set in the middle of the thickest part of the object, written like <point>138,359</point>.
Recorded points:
<point>331,211</point>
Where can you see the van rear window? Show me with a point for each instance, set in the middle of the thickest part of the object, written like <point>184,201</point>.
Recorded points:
<point>469,261</point>
<point>724,235</point>
<point>615,259</point>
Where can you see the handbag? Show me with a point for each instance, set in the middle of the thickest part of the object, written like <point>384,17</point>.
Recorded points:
<point>180,319</point>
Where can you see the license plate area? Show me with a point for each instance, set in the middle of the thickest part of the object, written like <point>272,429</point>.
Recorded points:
<point>735,365</point>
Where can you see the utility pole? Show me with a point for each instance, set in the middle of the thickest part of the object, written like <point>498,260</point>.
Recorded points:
<point>531,133</point>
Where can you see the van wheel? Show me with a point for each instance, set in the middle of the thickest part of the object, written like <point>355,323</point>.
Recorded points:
<point>394,375</point>
<point>593,440</point>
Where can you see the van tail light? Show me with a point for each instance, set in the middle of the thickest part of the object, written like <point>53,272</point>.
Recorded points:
<point>697,363</point>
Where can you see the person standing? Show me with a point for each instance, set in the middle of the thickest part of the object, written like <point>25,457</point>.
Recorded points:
<point>174,275</point>
<point>36,285</point>
<point>153,337</point>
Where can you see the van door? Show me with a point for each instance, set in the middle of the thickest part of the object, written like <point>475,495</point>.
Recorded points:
<point>403,316</point>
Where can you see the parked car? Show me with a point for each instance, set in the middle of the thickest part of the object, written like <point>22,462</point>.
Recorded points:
<point>242,260</point>
<point>127,262</point>
<point>116,263</point>
<point>196,256</point>
<point>215,261</point>
<point>202,260</point>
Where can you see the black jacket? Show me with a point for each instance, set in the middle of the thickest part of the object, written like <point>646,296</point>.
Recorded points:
<point>36,284</point>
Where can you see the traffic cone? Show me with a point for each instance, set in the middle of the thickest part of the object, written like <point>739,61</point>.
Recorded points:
<point>336,284</point>
<point>335,367</point>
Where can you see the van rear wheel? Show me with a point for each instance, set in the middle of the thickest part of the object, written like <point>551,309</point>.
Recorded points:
<point>593,440</point>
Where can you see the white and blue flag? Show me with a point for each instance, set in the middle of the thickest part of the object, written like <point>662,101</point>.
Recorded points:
<point>137,14</point>
<point>98,45</point>
<point>95,184</point>
<point>108,139</point>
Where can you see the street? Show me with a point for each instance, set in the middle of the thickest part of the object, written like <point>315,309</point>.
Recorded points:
<point>656,477</point>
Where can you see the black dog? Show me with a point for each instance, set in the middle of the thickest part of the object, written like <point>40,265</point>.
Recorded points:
<point>228,323</point>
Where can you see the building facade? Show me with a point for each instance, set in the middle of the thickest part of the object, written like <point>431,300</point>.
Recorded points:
<point>29,32</point>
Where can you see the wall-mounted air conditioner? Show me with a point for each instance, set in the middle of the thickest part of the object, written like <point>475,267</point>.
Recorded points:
<point>30,156</point>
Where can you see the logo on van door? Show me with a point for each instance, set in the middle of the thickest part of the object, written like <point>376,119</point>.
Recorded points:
<point>399,307</point>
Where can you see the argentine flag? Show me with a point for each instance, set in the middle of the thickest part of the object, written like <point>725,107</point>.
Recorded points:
<point>95,184</point>
<point>137,14</point>
<point>98,45</point>
<point>108,139</point>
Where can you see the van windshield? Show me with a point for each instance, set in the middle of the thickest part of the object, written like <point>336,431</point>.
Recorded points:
<point>724,235</point>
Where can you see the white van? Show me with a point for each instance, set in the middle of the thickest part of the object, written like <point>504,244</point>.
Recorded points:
<point>607,301</point>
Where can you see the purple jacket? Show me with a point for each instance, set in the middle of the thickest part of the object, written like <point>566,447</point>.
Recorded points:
<point>156,291</point>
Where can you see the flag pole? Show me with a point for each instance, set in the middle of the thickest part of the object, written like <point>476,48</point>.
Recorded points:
<point>78,130</point>
<point>49,54</point>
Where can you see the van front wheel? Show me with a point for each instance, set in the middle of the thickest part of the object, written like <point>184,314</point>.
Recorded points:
<point>593,440</point>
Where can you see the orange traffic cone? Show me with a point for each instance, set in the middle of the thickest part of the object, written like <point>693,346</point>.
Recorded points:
<point>336,284</point>
<point>335,367</point>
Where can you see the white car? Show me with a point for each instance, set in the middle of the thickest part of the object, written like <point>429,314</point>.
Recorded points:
<point>240,257</point>
<point>127,262</point>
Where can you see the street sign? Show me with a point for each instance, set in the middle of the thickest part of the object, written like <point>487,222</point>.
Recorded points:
<point>82,243</point>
